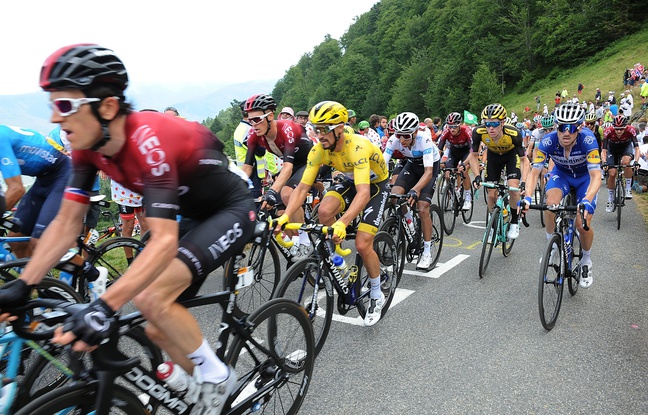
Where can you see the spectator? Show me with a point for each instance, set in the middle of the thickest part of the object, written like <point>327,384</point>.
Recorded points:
<point>564,94</point>
<point>537,101</point>
<point>382,127</point>
<point>580,89</point>
<point>430,124</point>
<point>171,111</point>
<point>643,91</point>
<point>302,119</point>
<point>626,76</point>
<point>437,124</point>
<point>597,97</point>
<point>545,110</point>
<point>557,99</point>
<point>287,113</point>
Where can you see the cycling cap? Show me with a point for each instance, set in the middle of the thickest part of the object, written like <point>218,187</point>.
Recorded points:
<point>363,124</point>
<point>620,121</point>
<point>82,66</point>
<point>260,102</point>
<point>329,112</point>
<point>547,121</point>
<point>591,117</point>
<point>569,114</point>
<point>454,118</point>
<point>406,122</point>
<point>494,111</point>
<point>302,114</point>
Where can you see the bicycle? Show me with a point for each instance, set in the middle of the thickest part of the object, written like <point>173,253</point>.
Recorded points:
<point>552,276</point>
<point>409,237</point>
<point>539,196</point>
<point>453,200</point>
<point>313,281</point>
<point>272,351</point>
<point>497,226</point>
<point>619,190</point>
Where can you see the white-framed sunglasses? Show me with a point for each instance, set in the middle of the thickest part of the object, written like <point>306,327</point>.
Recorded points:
<point>68,106</point>
<point>325,129</point>
<point>256,120</point>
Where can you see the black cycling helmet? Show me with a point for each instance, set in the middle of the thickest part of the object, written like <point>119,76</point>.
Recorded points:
<point>260,102</point>
<point>620,121</point>
<point>83,66</point>
<point>454,118</point>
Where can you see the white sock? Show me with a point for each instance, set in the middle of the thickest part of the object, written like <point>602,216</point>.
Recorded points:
<point>375,288</point>
<point>426,246</point>
<point>303,238</point>
<point>295,240</point>
<point>467,195</point>
<point>586,257</point>
<point>628,184</point>
<point>549,236</point>
<point>610,195</point>
<point>210,366</point>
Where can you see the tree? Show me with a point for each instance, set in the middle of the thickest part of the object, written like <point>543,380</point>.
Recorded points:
<point>485,88</point>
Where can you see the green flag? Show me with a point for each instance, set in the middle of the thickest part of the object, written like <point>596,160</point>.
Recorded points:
<point>470,118</point>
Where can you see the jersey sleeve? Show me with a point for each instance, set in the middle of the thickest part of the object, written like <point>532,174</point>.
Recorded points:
<point>541,155</point>
<point>430,152</point>
<point>251,147</point>
<point>8,162</point>
<point>290,142</point>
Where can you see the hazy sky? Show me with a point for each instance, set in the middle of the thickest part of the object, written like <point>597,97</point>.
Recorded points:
<point>175,42</point>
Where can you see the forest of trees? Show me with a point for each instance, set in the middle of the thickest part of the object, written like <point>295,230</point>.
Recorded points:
<point>439,56</point>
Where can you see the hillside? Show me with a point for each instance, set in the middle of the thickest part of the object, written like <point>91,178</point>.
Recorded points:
<point>603,70</point>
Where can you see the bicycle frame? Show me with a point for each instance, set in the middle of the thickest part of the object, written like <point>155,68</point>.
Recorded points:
<point>502,203</point>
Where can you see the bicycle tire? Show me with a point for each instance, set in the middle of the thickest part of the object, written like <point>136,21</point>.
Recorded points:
<point>384,246</point>
<point>437,234</point>
<point>394,228</point>
<point>441,184</point>
<point>490,239</point>
<point>49,287</point>
<point>538,199</point>
<point>42,377</point>
<point>299,285</point>
<point>507,245</point>
<point>112,256</point>
<point>467,215</point>
<point>550,285</point>
<point>264,261</point>
<point>620,199</point>
<point>448,207</point>
<point>577,253</point>
<point>276,382</point>
<point>79,399</point>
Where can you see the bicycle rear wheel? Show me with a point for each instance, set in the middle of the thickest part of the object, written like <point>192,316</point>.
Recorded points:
<point>437,234</point>
<point>538,199</point>
<point>490,238</point>
<point>550,285</point>
<point>112,255</point>
<point>619,200</point>
<point>80,399</point>
<point>389,273</point>
<point>448,207</point>
<point>263,262</point>
<point>274,382</point>
<point>299,285</point>
<point>574,277</point>
<point>393,228</point>
<point>467,214</point>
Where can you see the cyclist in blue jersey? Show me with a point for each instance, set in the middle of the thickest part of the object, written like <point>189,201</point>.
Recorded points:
<point>29,153</point>
<point>577,163</point>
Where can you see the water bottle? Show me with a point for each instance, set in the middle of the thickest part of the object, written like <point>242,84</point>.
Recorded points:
<point>174,376</point>
<point>410,221</point>
<point>341,265</point>
<point>505,213</point>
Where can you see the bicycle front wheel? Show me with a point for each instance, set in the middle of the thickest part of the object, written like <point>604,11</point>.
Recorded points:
<point>393,228</point>
<point>448,207</point>
<point>276,380</point>
<point>550,285</point>
<point>507,245</point>
<point>490,238</point>
<point>80,399</point>
<point>467,214</point>
<point>437,234</point>
<point>262,261</point>
<point>113,255</point>
<point>574,278</point>
<point>538,199</point>
<point>299,285</point>
<point>620,200</point>
<point>389,273</point>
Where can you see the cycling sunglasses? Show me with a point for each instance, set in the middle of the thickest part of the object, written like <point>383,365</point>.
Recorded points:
<point>492,124</point>
<point>68,106</point>
<point>572,128</point>
<point>404,136</point>
<point>256,120</point>
<point>325,129</point>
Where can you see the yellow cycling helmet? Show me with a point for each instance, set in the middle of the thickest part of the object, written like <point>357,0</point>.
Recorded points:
<point>494,111</point>
<point>329,112</point>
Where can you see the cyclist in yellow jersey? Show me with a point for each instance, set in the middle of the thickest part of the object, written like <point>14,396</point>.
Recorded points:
<point>505,150</point>
<point>363,190</point>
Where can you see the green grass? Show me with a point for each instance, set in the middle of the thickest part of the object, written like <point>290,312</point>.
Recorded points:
<point>604,70</point>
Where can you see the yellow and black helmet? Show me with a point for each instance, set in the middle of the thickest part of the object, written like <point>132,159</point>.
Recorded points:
<point>328,112</point>
<point>494,111</point>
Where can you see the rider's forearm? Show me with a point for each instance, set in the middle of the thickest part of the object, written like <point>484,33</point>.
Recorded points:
<point>297,198</point>
<point>284,176</point>
<point>594,185</point>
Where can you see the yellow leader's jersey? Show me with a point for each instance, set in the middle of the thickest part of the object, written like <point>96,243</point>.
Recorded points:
<point>511,138</point>
<point>360,160</point>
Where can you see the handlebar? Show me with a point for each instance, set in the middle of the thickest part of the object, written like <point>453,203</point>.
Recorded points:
<point>500,186</point>
<point>559,208</point>
<point>307,227</point>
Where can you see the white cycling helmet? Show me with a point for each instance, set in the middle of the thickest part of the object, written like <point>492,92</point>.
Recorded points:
<point>406,122</point>
<point>569,114</point>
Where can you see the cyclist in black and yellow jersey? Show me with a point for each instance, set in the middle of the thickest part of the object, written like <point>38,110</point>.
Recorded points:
<point>362,190</point>
<point>505,150</point>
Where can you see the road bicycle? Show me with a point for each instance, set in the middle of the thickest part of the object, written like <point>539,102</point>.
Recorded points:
<point>619,189</point>
<point>539,196</point>
<point>497,226</point>
<point>453,200</point>
<point>406,232</point>
<point>313,281</point>
<point>272,351</point>
<point>553,275</point>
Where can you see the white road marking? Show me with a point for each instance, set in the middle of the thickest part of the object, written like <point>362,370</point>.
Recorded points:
<point>399,296</point>
<point>440,269</point>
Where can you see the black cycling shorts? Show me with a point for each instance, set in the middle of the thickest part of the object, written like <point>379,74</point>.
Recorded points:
<point>373,211</point>
<point>456,155</point>
<point>497,163</point>
<point>412,173</point>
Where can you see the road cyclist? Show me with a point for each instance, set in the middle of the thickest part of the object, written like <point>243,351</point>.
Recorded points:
<point>417,178</point>
<point>363,189</point>
<point>620,147</point>
<point>458,138</point>
<point>577,164</point>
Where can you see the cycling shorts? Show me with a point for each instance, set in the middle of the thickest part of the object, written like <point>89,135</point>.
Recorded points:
<point>295,179</point>
<point>615,153</point>
<point>497,163</point>
<point>41,203</point>
<point>456,155</point>
<point>128,212</point>
<point>410,176</point>
<point>373,211</point>
<point>564,181</point>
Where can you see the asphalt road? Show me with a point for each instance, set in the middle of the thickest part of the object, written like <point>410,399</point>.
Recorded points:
<point>458,344</point>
